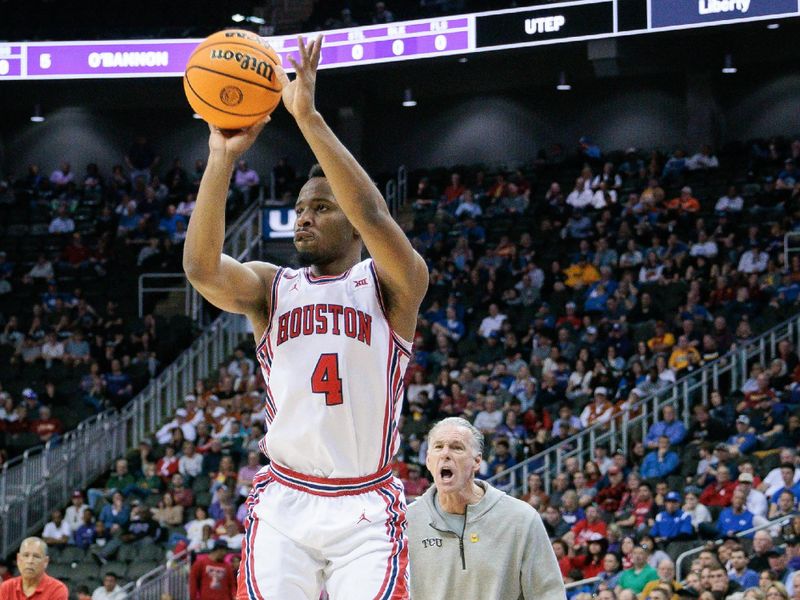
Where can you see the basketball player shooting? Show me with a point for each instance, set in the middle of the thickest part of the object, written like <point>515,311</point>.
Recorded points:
<point>335,344</point>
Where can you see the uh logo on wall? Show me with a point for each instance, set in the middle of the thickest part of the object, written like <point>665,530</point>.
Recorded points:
<point>278,223</point>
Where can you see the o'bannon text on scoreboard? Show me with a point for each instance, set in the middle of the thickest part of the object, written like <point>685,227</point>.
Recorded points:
<point>533,25</point>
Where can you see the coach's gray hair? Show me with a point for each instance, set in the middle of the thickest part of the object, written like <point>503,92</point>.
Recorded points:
<point>475,434</point>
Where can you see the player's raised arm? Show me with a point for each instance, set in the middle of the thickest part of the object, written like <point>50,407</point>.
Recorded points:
<point>220,279</point>
<point>402,272</point>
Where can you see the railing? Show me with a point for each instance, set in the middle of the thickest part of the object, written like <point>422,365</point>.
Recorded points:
<point>41,480</point>
<point>179,284</point>
<point>683,394</point>
<point>780,522</point>
<point>396,191</point>
<point>789,248</point>
<point>578,584</point>
<point>170,578</point>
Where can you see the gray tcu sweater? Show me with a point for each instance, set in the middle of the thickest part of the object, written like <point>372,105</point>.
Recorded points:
<point>503,552</point>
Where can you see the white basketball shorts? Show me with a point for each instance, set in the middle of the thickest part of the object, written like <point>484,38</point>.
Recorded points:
<point>305,534</point>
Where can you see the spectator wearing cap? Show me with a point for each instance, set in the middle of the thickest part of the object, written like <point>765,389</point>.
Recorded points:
<point>755,500</point>
<point>672,524</point>
<point>660,462</point>
<point>211,577</point>
<point>73,516</point>
<point>669,426</point>
<point>598,411</point>
<point>777,563</point>
<point>164,434</point>
<point>743,441</point>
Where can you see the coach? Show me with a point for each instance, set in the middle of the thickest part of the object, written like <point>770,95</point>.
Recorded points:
<point>33,583</point>
<point>470,540</point>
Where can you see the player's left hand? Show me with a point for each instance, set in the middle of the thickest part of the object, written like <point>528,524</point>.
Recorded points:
<point>298,94</point>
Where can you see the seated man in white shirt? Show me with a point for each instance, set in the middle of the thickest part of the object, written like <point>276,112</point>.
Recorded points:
<point>57,531</point>
<point>731,202</point>
<point>704,246</point>
<point>491,322</point>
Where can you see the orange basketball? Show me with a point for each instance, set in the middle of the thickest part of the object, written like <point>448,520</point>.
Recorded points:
<point>230,79</point>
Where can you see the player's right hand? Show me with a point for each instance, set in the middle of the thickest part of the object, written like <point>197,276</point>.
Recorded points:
<point>233,143</point>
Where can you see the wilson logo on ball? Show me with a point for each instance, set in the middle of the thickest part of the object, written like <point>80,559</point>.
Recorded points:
<point>230,95</point>
<point>246,62</point>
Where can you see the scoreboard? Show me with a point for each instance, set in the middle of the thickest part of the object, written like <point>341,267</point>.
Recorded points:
<point>533,25</point>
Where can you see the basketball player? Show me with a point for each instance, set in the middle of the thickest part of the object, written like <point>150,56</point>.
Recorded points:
<point>326,512</point>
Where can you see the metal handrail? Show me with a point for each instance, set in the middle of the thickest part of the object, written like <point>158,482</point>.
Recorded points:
<point>692,551</point>
<point>617,431</point>
<point>42,479</point>
<point>582,582</point>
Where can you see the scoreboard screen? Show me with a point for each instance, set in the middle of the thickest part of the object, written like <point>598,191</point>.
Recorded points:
<point>406,40</point>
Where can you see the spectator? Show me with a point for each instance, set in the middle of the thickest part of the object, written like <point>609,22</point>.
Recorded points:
<point>57,531</point>
<point>739,572</point>
<point>736,518</point>
<point>753,261</point>
<point>638,575</point>
<point>84,535</point>
<point>492,322</point>
<point>668,426</point>
<point>731,202</point>
<point>191,463</point>
<point>755,500</point>
<point>703,160</point>
<point>110,590</point>
<point>719,492</point>
<point>666,581</point>
<point>62,222</point>
<point>672,524</point>
<point>660,462</point>
<point>74,513</point>
<point>598,411</point>
<point>382,14</point>
<point>246,181</point>
<point>210,574</point>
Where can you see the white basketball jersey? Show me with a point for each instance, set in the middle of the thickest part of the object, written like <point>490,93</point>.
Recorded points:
<point>334,373</point>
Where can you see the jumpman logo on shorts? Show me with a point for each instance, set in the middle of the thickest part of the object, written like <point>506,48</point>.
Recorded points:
<point>363,517</point>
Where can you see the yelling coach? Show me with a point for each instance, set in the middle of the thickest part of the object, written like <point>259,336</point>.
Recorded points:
<point>470,540</point>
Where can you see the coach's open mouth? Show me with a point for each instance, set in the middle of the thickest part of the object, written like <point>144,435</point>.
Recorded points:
<point>446,474</point>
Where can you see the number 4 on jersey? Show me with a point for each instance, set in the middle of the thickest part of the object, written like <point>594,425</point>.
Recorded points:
<point>325,379</point>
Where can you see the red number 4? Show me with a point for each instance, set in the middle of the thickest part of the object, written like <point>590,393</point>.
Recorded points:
<point>325,379</point>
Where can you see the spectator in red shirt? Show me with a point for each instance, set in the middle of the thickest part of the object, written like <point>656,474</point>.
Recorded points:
<point>5,573</point>
<point>415,485</point>
<point>609,497</point>
<point>183,495</point>
<point>167,465</point>
<point>76,254</point>
<point>33,583</point>
<point>46,426</point>
<point>588,528</point>
<point>720,492</point>
<point>211,578</point>
<point>455,190</point>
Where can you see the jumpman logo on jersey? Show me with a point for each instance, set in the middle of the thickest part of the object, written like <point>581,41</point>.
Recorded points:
<point>363,517</point>
<point>295,287</point>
